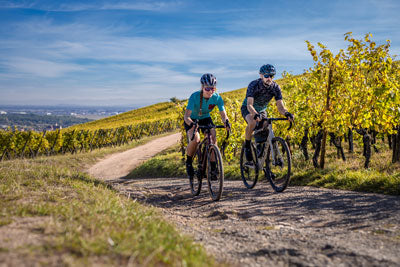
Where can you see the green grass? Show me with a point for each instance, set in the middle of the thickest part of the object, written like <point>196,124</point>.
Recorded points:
<point>169,163</point>
<point>166,164</point>
<point>85,222</point>
<point>382,177</point>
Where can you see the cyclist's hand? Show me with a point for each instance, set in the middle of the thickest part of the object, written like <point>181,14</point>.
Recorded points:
<point>290,116</point>
<point>194,125</point>
<point>257,117</point>
<point>228,125</point>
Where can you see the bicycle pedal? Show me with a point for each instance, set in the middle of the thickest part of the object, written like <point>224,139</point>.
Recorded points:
<point>256,131</point>
<point>249,164</point>
<point>272,175</point>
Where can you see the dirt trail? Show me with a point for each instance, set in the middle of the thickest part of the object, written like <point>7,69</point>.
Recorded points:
<point>304,226</point>
<point>120,164</point>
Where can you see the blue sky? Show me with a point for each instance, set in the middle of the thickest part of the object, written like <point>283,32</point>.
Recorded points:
<point>135,53</point>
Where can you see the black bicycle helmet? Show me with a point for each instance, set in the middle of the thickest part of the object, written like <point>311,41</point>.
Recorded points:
<point>208,80</point>
<point>267,69</point>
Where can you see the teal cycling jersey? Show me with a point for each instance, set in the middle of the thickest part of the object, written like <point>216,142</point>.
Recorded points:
<point>207,106</point>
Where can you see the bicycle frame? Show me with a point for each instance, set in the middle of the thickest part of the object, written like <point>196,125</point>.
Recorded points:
<point>208,153</point>
<point>272,156</point>
<point>205,142</point>
<point>260,161</point>
<point>203,152</point>
<point>268,143</point>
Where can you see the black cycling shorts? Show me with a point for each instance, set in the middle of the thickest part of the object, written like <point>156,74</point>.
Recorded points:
<point>244,112</point>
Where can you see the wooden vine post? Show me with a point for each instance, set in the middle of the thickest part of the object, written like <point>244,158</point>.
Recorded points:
<point>324,133</point>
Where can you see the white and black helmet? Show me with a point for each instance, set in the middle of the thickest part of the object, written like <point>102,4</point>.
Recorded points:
<point>208,80</point>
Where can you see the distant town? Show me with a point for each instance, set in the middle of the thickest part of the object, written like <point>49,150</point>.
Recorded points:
<point>40,118</point>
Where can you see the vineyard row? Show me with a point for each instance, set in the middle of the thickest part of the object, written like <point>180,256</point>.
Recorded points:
<point>30,144</point>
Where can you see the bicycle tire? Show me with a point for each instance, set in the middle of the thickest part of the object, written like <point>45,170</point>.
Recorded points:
<point>215,178</point>
<point>196,181</point>
<point>249,174</point>
<point>278,175</point>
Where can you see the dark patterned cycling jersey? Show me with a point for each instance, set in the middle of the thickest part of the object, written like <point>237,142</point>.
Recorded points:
<point>262,94</point>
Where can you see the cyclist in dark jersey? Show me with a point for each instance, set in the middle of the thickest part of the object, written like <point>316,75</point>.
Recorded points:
<point>207,99</point>
<point>259,93</point>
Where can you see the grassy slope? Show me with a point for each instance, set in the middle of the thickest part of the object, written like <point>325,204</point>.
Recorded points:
<point>157,111</point>
<point>82,221</point>
<point>154,112</point>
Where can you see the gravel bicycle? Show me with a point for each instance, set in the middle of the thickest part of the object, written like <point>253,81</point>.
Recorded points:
<point>207,154</point>
<point>270,153</point>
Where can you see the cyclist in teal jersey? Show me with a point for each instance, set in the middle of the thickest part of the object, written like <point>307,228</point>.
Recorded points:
<point>200,104</point>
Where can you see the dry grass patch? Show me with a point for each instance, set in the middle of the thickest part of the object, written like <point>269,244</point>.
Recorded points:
<point>82,221</point>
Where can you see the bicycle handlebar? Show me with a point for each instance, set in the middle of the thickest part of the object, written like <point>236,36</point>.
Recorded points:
<point>208,127</point>
<point>269,120</point>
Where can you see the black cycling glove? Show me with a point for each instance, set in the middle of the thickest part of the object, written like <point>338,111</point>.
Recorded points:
<point>228,124</point>
<point>288,115</point>
<point>257,116</point>
<point>193,124</point>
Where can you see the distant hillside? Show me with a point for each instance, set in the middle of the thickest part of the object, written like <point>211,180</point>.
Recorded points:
<point>38,122</point>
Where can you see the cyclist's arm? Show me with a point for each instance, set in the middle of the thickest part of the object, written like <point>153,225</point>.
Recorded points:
<point>224,118</point>
<point>250,108</point>
<point>187,118</point>
<point>222,112</point>
<point>281,108</point>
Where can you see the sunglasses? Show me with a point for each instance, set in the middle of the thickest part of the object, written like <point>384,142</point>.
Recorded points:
<point>209,89</point>
<point>268,76</point>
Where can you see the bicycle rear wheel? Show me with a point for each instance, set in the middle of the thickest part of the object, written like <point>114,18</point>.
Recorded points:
<point>196,181</point>
<point>215,172</point>
<point>278,171</point>
<point>249,170</point>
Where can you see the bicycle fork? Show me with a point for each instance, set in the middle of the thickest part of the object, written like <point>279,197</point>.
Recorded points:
<point>275,152</point>
<point>203,163</point>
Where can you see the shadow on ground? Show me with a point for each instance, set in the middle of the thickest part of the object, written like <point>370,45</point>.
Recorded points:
<point>296,204</point>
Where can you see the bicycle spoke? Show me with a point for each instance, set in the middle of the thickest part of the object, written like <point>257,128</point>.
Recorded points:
<point>248,170</point>
<point>215,173</point>
<point>278,166</point>
<point>196,181</point>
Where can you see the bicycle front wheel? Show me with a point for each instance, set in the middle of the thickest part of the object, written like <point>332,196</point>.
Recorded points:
<point>215,172</point>
<point>278,164</point>
<point>249,170</point>
<point>196,181</point>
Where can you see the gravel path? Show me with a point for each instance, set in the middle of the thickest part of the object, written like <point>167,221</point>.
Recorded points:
<point>304,226</point>
<point>119,165</point>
